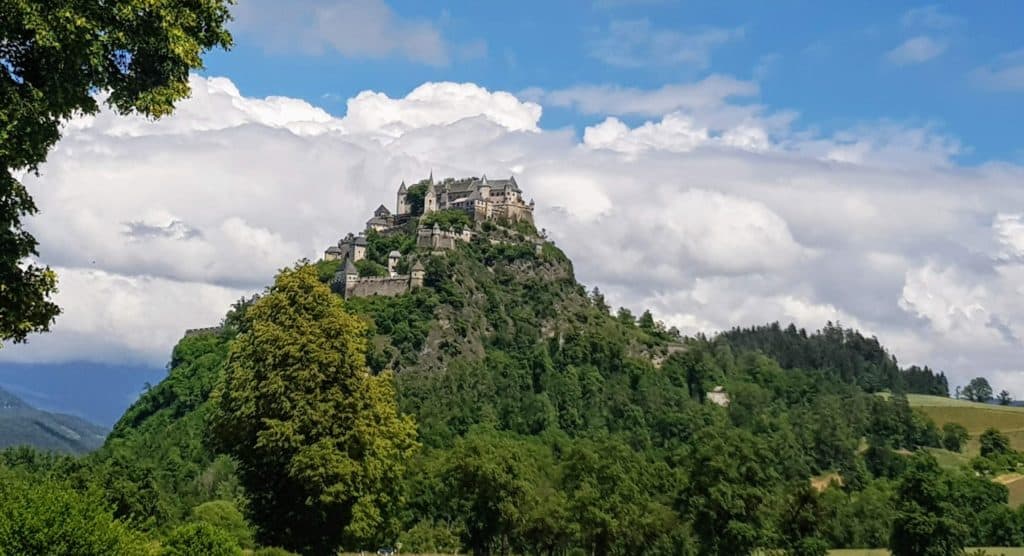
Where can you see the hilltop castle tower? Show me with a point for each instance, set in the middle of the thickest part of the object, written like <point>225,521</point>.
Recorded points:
<point>481,198</point>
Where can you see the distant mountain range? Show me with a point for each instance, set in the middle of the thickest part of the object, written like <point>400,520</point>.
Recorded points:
<point>22,424</point>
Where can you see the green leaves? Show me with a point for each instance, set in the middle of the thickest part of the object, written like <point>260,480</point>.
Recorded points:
<point>55,57</point>
<point>42,516</point>
<point>320,443</point>
<point>927,523</point>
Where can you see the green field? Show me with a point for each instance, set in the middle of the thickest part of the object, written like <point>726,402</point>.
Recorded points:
<point>975,417</point>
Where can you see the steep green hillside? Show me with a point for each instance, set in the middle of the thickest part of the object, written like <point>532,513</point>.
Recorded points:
<point>549,422</point>
<point>23,425</point>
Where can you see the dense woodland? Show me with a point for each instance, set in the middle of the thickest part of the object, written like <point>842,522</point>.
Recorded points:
<point>504,409</point>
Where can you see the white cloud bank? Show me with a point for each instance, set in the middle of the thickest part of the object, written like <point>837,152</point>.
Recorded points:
<point>712,218</point>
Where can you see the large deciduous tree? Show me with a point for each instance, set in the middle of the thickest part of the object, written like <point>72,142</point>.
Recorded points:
<point>321,447</point>
<point>56,58</point>
<point>978,390</point>
<point>927,522</point>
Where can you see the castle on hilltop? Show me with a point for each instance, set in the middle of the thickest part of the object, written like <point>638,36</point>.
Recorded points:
<point>480,198</point>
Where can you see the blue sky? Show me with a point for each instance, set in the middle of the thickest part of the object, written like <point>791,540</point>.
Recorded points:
<point>833,63</point>
<point>722,164</point>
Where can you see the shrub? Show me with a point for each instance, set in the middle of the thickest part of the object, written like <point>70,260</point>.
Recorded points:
<point>451,219</point>
<point>325,270</point>
<point>46,517</point>
<point>200,539</point>
<point>994,443</point>
<point>429,537</point>
<point>368,268</point>
<point>954,437</point>
<point>226,517</point>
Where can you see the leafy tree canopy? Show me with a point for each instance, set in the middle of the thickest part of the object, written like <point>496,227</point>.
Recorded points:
<point>319,441</point>
<point>200,539</point>
<point>47,517</point>
<point>54,58</point>
<point>978,390</point>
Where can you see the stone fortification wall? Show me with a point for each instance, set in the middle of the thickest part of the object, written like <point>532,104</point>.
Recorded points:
<point>378,286</point>
<point>440,239</point>
<point>209,330</point>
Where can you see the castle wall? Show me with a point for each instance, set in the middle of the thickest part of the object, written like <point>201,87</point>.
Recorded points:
<point>378,286</point>
<point>209,330</point>
<point>517,212</point>
<point>427,237</point>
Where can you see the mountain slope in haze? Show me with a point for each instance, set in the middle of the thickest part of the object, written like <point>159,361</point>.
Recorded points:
<point>22,424</point>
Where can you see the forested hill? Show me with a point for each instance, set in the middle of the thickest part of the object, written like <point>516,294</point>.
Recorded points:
<point>23,425</point>
<point>545,422</point>
<point>845,353</point>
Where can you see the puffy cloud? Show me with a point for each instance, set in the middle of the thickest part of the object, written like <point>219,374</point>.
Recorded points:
<point>1009,231</point>
<point>438,104</point>
<point>354,28</point>
<point>711,221</point>
<point>637,43</point>
<point>128,319</point>
<point>675,132</point>
<point>916,50</point>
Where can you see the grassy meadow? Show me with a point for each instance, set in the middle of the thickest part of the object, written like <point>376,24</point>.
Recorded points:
<point>975,417</point>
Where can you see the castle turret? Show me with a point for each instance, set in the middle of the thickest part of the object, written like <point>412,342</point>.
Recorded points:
<point>430,198</point>
<point>359,248</point>
<point>351,276</point>
<point>416,276</point>
<point>485,188</point>
<point>402,207</point>
<point>393,263</point>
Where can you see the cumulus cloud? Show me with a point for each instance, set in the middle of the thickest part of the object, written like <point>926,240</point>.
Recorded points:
<point>354,28</point>
<point>711,221</point>
<point>916,50</point>
<point>438,104</point>
<point>1009,231</point>
<point>119,318</point>
<point>636,43</point>
<point>676,132</point>
<point>1005,74</point>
